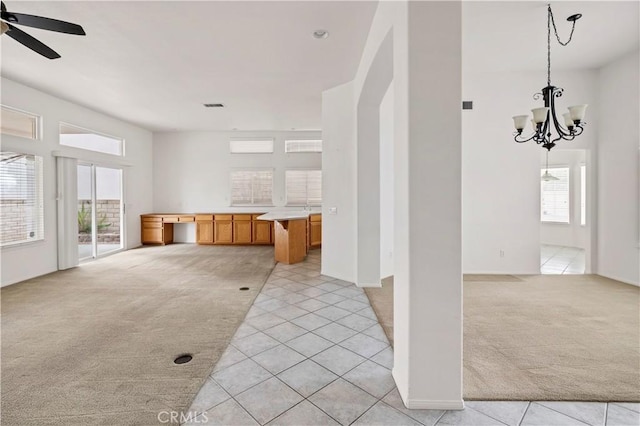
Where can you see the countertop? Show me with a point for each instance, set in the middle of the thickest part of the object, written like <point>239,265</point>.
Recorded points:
<point>285,215</point>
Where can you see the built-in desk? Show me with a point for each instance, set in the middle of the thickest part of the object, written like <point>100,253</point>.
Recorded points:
<point>158,228</point>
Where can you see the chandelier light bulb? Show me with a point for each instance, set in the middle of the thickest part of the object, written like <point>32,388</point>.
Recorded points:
<point>568,121</point>
<point>577,112</point>
<point>520,122</point>
<point>540,114</point>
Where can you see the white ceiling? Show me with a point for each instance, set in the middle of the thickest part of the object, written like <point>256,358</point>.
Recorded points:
<point>155,63</point>
<point>512,35</point>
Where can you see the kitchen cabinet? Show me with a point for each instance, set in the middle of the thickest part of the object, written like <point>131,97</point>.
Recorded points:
<point>261,231</point>
<point>155,231</point>
<point>242,229</point>
<point>222,229</point>
<point>204,229</point>
<point>315,230</point>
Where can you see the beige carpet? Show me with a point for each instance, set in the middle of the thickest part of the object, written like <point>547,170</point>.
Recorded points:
<point>547,337</point>
<point>96,344</point>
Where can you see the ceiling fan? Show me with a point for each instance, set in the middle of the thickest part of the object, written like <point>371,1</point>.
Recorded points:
<point>10,18</point>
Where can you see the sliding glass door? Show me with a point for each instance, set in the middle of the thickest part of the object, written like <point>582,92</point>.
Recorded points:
<point>99,210</point>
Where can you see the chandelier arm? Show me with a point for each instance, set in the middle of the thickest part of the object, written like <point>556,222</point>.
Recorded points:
<point>532,137</point>
<point>560,130</point>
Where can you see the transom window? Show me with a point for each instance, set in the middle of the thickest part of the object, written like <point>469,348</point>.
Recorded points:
<point>554,200</point>
<point>252,187</point>
<point>19,123</point>
<point>251,146</point>
<point>302,145</point>
<point>78,137</point>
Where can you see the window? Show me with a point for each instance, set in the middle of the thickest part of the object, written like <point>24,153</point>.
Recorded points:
<point>306,145</point>
<point>78,137</point>
<point>251,146</point>
<point>252,187</point>
<point>19,123</point>
<point>583,195</point>
<point>554,203</point>
<point>304,187</point>
<point>21,199</point>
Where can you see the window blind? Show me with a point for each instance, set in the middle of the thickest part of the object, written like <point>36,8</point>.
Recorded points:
<point>303,187</point>
<point>307,145</point>
<point>554,202</point>
<point>252,187</point>
<point>251,146</point>
<point>21,198</point>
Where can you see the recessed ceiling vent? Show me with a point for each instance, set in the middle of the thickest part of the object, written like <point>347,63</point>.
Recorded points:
<point>214,105</point>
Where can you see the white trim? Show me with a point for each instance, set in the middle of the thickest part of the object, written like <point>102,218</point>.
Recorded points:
<point>622,280</point>
<point>369,285</point>
<point>426,404</point>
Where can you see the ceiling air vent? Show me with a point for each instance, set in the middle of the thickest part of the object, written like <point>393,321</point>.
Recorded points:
<point>214,105</point>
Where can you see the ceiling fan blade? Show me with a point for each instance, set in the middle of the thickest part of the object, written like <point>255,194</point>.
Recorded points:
<point>33,44</point>
<point>43,23</point>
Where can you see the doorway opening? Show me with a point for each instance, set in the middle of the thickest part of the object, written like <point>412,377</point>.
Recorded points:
<point>100,211</point>
<point>565,233</point>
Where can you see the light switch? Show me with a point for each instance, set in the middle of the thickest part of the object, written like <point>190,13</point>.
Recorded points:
<point>333,210</point>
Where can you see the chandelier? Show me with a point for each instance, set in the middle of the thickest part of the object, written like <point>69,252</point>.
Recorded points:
<point>547,129</point>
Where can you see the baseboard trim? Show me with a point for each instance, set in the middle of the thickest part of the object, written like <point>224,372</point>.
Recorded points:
<point>369,285</point>
<point>622,280</point>
<point>425,404</point>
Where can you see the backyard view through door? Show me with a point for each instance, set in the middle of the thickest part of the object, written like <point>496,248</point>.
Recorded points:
<point>99,210</point>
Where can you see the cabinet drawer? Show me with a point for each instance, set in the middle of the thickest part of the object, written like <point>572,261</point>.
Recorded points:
<point>222,217</point>
<point>204,217</point>
<point>241,217</point>
<point>183,219</point>
<point>151,219</point>
<point>170,219</point>
<point>151,224</point>
<point>315,218</point>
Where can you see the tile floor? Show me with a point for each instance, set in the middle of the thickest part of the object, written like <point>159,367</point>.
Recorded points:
<point>311,352</point>
<point>557,260</point>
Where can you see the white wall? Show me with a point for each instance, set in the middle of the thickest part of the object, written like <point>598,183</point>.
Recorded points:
<point>618,175</point>
<point>426,185</point>
<point>42,255</point>
<point>339,183</point>
<point>386,184</point>
<point>501,178</point>
<point>191,170</point>
<point>572,234</point>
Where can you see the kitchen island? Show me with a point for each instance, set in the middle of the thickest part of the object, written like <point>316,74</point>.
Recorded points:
<point>290,235</point>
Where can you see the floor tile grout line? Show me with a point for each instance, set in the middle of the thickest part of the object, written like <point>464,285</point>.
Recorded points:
<point>560,412</point>
<point>525,413</point>
<point>441,416</point>
<point>485,414</point>
<point>617,404</point>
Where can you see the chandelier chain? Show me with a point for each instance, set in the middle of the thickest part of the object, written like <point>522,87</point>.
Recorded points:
<point>550,22</point>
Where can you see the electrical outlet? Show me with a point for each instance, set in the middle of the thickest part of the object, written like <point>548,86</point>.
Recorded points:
<point>501,253</point>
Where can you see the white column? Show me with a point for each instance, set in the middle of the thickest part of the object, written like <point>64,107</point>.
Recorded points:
<point>427,169</point>
<point>67,200</point>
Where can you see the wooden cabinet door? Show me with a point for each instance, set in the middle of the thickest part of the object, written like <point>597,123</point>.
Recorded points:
<point>242,232</point>
<point>204,232</point>
<point>261,232</point>
<point>315,234</point>
<point>222,232</point>
<point>152,235</point>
